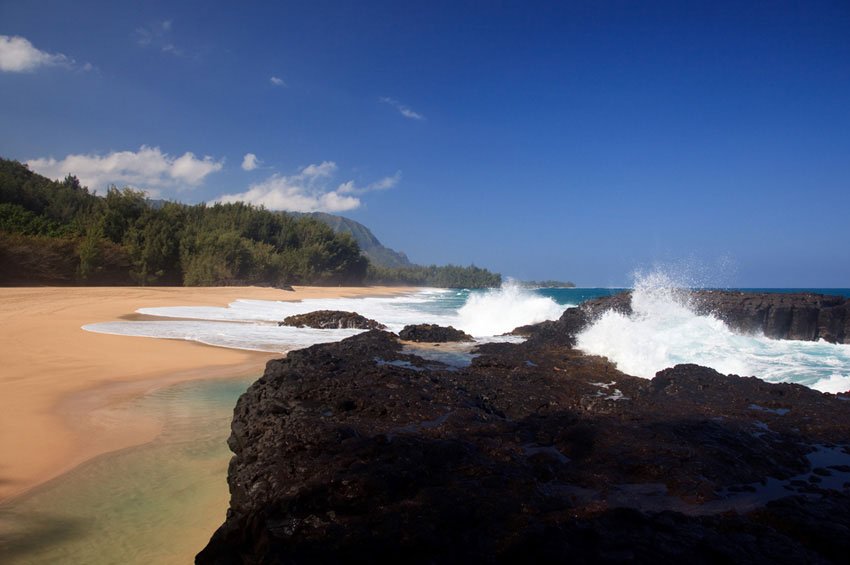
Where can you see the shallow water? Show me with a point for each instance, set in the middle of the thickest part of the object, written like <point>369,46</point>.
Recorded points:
<point>156,503</point>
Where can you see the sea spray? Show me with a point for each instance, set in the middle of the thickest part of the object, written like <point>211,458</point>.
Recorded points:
<point>663,330</point>
<point>501,310</point>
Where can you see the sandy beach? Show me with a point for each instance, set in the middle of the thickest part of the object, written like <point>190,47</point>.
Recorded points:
<point>59,384</point>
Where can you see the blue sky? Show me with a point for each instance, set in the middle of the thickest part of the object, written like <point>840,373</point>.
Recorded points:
<point>572,140</point>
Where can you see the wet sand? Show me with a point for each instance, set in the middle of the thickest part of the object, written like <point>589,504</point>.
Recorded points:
<point>153,503</point>
<point>60,385</point>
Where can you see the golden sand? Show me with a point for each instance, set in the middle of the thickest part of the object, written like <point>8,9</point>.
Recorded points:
<point>59,384</point>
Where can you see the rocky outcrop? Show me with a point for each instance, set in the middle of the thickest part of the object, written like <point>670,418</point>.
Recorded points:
<point>361,451</point>
<point>433,333</point>
<point>562,331</point>
<point>332,319</point>
<point>801,316</point>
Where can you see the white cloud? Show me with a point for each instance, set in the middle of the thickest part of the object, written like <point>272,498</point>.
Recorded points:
<point>277,81</point>
<point>250,162</point>
<point>402,109</point>
<point>311,172</point>
<point>187,168</point>
<point>309,190</point>
<point>18,55</point>
<point>148,169</point>
<point>383,184</point>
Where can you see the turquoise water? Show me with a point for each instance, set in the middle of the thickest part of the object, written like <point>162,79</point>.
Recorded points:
<point>575,296</point>
<point>157,503</point>
<point>454,299</point>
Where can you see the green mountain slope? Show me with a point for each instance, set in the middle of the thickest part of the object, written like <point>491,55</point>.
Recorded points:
<point>390,267</point>
<point>369,244</point>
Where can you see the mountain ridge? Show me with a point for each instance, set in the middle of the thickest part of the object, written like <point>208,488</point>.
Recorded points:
<point>370,245</point>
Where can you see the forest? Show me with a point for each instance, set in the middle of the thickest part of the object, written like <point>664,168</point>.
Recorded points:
<point>58,232</point>
<point>448,276</point>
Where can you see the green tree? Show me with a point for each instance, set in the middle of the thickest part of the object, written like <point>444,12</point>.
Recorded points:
<point>89,251</point>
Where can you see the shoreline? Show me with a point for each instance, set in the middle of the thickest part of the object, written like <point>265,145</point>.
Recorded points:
<point>61,385</point>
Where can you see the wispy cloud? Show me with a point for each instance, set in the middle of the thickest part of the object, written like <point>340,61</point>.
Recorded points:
<point>311,189</point>
<point>250,162</point>
<point>158,36</point>
<point>18,55</point>
<point>402,108</point>
<point>148,169</point>
<point>385,183</point>
<point>277,81</point>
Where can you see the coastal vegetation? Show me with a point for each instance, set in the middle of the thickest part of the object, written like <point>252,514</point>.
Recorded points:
<point>374,250</point>
<point>448,276</point>
<point>58,232</point>
<point>547,284</point>
<point>390,267</point>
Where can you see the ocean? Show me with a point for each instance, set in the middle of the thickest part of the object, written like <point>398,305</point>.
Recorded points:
<point>662,332</point>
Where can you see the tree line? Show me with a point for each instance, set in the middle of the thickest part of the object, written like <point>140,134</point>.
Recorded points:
<point>448,276</point>
<point>57,232</point>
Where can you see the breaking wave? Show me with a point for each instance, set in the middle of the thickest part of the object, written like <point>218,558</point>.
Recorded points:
<point>664,330</point>
<point>499,311</point>
<point>252,324</point>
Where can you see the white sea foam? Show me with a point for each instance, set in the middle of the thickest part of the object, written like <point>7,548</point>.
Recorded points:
<point>834,383</point>
<point>499,311</point>
<point>396,311</point>
<point>254,337</point>
<point>663,331</point>
<point>252,324</point>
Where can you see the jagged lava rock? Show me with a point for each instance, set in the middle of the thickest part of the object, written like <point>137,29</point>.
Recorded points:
<point>332,319</point>
<point>433,333</point>
<point>359,452</point>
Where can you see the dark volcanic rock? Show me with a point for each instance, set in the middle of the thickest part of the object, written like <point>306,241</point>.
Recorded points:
<point>802,316</point>
<point>433,333</point>
<point>359,452</point>
<point>562,331</point>
<point>332,319</point>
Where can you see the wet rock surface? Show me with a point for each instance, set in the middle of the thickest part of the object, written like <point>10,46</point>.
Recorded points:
<point>433,333</point>
<point>332,319</point>
<point>360,451</point>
